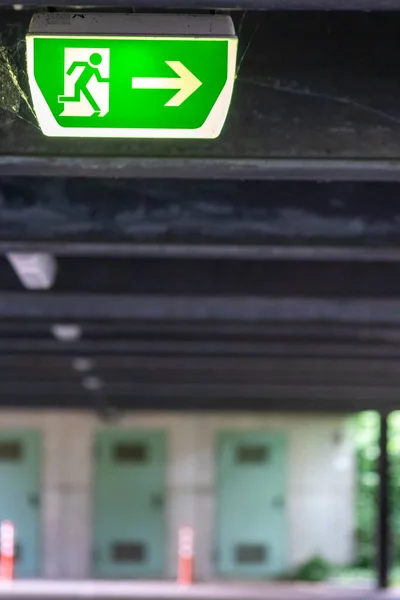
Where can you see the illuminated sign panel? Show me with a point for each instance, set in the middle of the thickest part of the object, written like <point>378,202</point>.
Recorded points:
<point>139,86</point>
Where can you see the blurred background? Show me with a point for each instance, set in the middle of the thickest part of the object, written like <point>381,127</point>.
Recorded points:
<point>200,340</point>
<point>194,406</point>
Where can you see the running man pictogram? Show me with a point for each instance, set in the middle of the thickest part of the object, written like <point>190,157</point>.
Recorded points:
<point>90,69</point>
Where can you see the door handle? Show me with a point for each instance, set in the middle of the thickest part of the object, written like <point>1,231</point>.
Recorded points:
<point>96,556</point>
<point>278,502</point>
<point>33,500</point>
<point>157,500</point>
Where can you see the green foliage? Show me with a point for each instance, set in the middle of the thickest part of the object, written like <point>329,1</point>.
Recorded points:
<point>314,569</point>
<point>366,435</point>
<point>366,429</point>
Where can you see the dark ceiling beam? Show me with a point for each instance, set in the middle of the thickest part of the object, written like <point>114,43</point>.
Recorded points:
<point>83,401</point>
<point>287,332</point>
<point>221,278</point>
<point>209,251</point>
<point>131,351</point>
<point>220,363</point>
<point>304,169</point>
<point>258,365</point>
<point>341,221</point>
<point>354,396</point>
<point>273,5</point>
<point>77,307</point>
<point>122,381</point>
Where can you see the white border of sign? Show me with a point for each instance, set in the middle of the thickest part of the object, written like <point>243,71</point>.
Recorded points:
<point>209,130</point>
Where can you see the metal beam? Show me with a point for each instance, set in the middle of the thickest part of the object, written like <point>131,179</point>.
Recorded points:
<point>206,219</point>
<point>91,401</point>
<point>224,278</point>
<point>273,5</point>
<point>298,253</point>
<point>216,370</point>
<point>76,307</point>
<point>192,382</point>
<point>225,368</point>
<point>294,396</point>
<point>246,350</point>
<point>304,169</point>
<point>289,332</point>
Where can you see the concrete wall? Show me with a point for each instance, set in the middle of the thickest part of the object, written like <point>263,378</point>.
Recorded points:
<point>320,483</point>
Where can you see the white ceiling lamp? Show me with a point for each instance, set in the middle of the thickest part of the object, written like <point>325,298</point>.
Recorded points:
<point>67,332</point>
<point>92,383</point>
<point>82,364</point>
<point>36,271</point>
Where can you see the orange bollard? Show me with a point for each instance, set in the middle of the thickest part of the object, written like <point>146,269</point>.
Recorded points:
<point>7,538</point>
<point>185,556</point>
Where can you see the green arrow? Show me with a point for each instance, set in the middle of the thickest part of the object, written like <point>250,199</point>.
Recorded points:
<point>186,83</point>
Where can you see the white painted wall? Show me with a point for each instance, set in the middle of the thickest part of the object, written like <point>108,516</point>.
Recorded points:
<point>320,483</point>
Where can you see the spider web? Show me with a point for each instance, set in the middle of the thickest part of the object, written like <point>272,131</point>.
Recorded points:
<point>15,101</point>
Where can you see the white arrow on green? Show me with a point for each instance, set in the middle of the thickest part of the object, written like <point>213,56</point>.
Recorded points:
<point>186,83</point>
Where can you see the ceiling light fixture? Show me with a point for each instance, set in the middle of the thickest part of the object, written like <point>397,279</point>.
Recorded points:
<point>82,364</point>
<point>35,271</point>
<point>66,332</point>
<point>92,383</point>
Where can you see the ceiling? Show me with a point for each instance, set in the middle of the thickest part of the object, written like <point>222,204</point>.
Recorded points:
<point>212,295</point>
<point>214,334</point>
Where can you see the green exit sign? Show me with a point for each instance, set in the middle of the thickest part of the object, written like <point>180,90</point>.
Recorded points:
<point>131,76</point>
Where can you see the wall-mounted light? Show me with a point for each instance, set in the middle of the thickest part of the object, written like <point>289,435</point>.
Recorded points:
<point>82,364</point>
<point>35,271</point>
<point>66,332</point>
<point>92,383</point>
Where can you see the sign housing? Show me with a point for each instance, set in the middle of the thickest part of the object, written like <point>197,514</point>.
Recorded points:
<point>131,75</point>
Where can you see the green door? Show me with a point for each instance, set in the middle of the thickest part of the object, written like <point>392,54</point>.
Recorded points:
<point>251,513</point>
<point>19,495</point>
<point>129,504</point>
